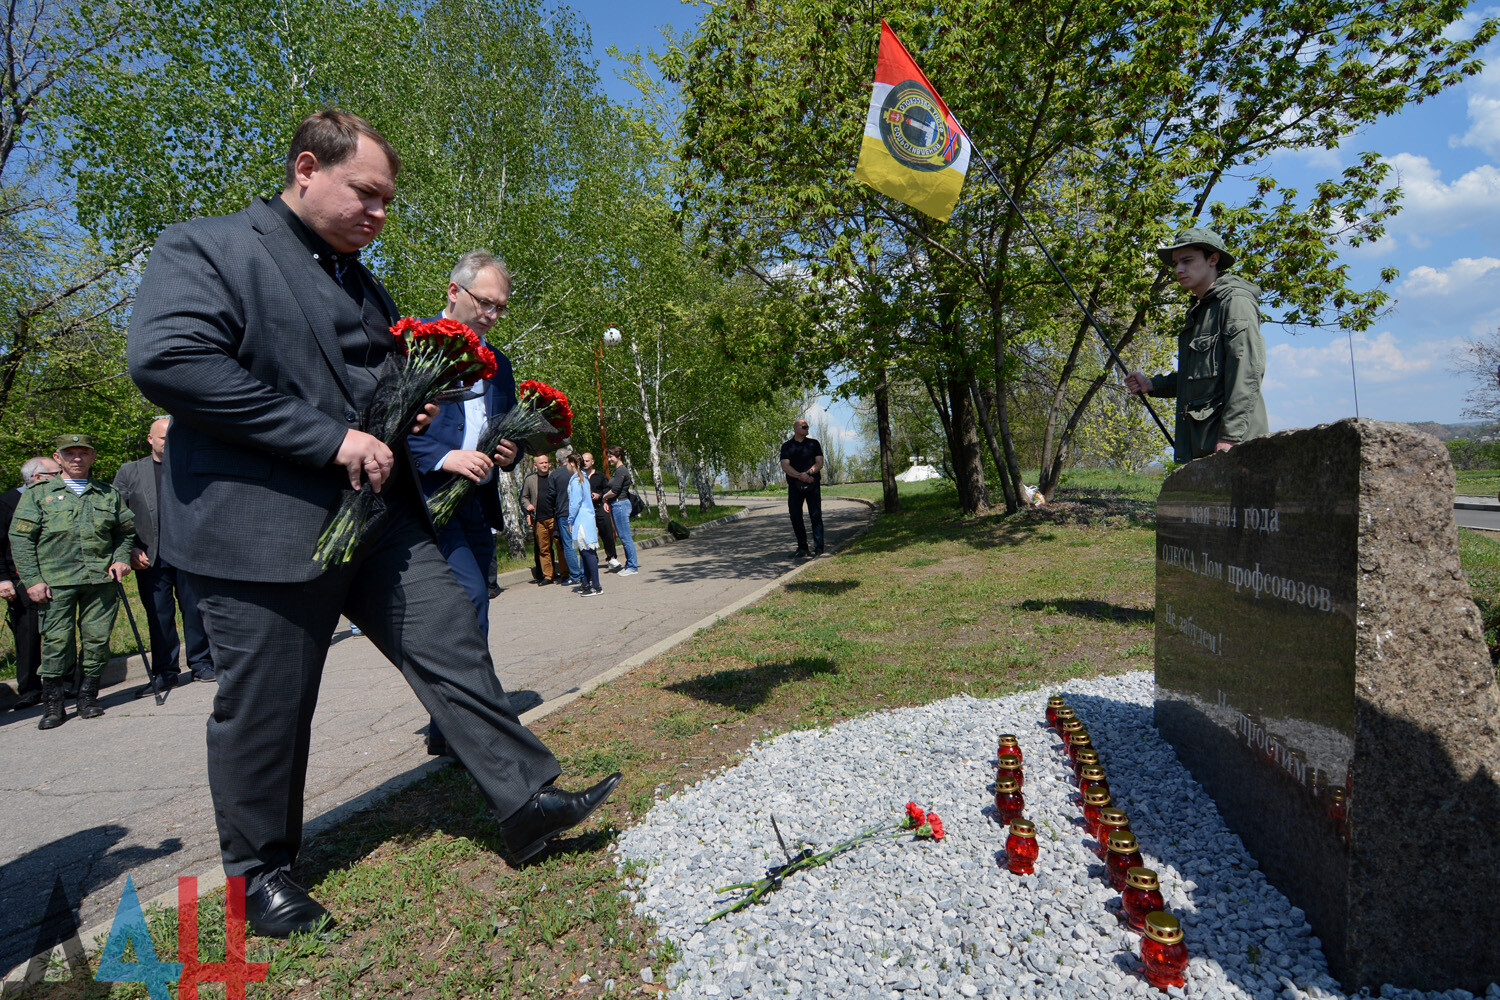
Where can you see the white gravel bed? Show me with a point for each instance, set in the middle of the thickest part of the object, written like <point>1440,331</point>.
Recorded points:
<point>906,919</point>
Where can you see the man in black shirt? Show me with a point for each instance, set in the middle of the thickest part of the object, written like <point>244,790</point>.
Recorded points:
<point>802,461</point>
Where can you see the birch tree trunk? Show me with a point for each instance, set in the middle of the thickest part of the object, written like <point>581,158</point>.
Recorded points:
<point>510,487</point>
<point>657,480</point>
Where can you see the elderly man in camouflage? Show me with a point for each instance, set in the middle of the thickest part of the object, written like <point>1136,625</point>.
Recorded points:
<point>71,540</point>
<point>1221,357</point>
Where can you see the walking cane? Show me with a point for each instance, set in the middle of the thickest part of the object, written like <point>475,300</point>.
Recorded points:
<point>155,685</point>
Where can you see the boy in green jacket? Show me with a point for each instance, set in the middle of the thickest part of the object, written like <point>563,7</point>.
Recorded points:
<point>1221,356</point>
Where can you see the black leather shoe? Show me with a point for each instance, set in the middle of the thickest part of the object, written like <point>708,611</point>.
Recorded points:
<point>31,699</point>
<point>549,812</point>
<point>281,907</point>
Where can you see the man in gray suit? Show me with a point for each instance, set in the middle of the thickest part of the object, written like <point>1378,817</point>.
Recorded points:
<point>263,335</point>
<point>164,588</point>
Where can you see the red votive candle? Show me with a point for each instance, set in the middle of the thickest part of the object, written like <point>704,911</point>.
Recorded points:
<point>1142,896</point>
<point>1020,847</point>
<point>1064,716</point>
<point>1091,776</point>
<point>1085,758</point>
<point>1164,957</point>
<point>1053,704</point>
<point>1078,742</point>
<point>1008,801</point>
<point>1066,728</point>
<point>1110,820</point>
<point>1010,767</point>
<point>1009,745</point>
<point>1094,800</point>
<point>1124,854</point>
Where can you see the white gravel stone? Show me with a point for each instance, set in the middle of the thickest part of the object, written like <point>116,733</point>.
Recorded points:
<point>912,919</point>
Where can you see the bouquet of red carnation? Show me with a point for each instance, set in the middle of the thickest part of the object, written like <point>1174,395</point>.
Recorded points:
<point>916,822</point>
<point>435,357</point>
<point>540,419</point>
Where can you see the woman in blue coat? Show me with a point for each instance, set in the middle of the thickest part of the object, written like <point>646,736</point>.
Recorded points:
<point>584,529</point>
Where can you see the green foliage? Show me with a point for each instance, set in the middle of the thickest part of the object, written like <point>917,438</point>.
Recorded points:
<point>1111,125</point>
<point>1470,455</point>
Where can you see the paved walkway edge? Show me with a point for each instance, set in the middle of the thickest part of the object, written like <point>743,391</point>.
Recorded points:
<point>93,938</point>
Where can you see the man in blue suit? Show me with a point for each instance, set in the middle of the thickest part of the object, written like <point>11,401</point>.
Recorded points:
<point>478,289</point>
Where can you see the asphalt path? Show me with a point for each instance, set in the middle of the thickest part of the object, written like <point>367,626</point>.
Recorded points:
<point>1486,520</point>
<point>85,805</point>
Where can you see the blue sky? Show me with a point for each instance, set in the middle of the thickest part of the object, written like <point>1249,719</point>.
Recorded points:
<point>1445,242</point>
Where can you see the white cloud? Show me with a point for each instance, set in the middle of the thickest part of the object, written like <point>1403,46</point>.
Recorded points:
<point>825,425</point>
<point>1460,277</point>
<point>1484,124</point>
<point>1381,358</point>
<point>1484,94</point>
<point>1433,207</point>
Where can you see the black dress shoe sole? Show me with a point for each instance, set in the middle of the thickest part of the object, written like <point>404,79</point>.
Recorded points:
<point>539,845</point>
<point>322,923</point>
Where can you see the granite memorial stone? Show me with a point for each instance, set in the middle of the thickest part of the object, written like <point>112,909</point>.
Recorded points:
<point>1321,669</point>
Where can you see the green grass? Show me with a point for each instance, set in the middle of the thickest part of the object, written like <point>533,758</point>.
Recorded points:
<point>1479,552</point>
<point>1479,482</point>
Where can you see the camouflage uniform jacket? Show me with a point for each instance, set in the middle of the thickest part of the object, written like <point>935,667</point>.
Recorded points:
<point>66,539</point>
<point>1221,359</point>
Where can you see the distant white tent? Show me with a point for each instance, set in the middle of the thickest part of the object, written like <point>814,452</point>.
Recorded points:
<point>918,473</point>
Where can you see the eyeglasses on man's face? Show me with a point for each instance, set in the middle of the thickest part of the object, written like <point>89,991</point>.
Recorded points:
<point>486,306</point>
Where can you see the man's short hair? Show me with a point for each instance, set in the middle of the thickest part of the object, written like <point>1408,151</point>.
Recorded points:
<point>31,466</point>
<point>563,453</point>
<point>471,263</point>
<point>332,136</point>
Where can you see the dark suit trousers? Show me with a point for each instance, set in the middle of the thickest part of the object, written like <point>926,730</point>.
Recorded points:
<point>26,627</point>
<point>269,643</point>
<point>797,494</point>
<point>606,530</point>
<point>163,589</point>
<point>467,544</point>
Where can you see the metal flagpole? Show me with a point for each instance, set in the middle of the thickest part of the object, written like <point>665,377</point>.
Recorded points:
<point>1076,297</point>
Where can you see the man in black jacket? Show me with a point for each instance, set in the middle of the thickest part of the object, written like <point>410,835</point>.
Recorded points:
<point>264,335</point>
<point>164,588</point>
<point>24,615</point>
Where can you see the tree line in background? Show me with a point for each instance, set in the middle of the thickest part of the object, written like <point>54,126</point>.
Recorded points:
<point>716,221</point>
<point>1112,125</point>
<point>134,114</point>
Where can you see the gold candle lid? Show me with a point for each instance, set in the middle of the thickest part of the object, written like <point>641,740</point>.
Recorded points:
<point>1163,927</point>
<point>1056,701</point>
<point>1065,713</point>
<point>1023,827</point>
<point>1009,761</point>
<point>1113,816</point>
<point>1091,772</point>
<point>1123,842</point>
<point>1337,793</point>
<point>1096,797</point>
<point>1006,785</point>
<point>1009,740</point>
<point>1087,756</point>
<point>1141,878</point>
<point>1079,744</point>
<point>1069,725</point>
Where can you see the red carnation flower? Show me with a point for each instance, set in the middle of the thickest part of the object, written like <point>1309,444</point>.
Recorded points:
<point>936,823</point>
<point>914,815</point>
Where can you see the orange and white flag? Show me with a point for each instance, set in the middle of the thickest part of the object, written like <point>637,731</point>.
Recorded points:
<point>914,149</point>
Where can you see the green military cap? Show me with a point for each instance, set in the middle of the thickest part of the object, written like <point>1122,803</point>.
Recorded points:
<point>1197,236</point>
<point>74,441</point>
